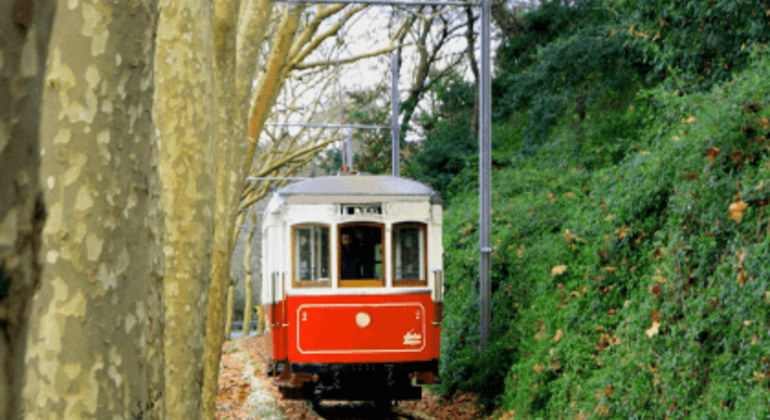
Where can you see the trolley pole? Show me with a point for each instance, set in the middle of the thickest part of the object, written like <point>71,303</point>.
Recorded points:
<point>485,178</point>
<point>395,130</point>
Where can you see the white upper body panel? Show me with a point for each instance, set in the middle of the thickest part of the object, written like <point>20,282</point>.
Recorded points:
<point>382,200</point>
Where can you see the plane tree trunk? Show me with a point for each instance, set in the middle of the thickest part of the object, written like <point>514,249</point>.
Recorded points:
<point>95,333</point>
<point>25,30</point>
<point>185,113</point>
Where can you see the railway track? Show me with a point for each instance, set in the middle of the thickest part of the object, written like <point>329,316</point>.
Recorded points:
<point>364,411</point>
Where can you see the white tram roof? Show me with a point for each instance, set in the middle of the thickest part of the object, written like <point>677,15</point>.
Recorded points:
<point>360,185</point>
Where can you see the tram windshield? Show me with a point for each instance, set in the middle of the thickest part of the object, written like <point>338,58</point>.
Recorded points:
<point>361,255</point>
<point>409,255</point>
<point>311,254</point>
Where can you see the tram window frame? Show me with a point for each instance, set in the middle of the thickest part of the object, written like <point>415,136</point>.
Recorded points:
<point>423,254</point>
<point>373,282</point>
<point>321,282</point>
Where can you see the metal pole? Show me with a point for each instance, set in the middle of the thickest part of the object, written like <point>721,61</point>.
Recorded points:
<point>485,176</point>
<point>350,149</point>
<point>394,111</point>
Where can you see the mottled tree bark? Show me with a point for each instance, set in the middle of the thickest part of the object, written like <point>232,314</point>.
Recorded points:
<point>25,29</point>
<point>229,150</point>
<point>185,114</point>
<point>229,311</point>
<point>95,340</point>
<point>248,280</point>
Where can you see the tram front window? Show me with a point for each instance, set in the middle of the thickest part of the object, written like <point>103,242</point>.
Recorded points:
<point>311,254</point>
<point>361,255</point>
<point>409,255</point>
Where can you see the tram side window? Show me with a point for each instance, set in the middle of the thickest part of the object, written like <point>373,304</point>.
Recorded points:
<point>409,255</point>
<point>361,255</point>
<point>311,255</point>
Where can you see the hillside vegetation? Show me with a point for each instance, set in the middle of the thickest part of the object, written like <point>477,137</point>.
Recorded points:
<point>631,233</point>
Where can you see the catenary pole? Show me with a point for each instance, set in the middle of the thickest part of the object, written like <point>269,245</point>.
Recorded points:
<point>485,178</point>
<point>395,131</point>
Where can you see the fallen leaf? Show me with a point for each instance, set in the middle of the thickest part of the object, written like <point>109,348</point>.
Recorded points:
<point>689,120</point>
<point>520,252</point>
<point>653,330</point>
<point>569,195</point>
<point>538,368</point>
<point>712,152</point>
<point>539,336</point>
<point>741,278</point>
<point>559,334</point>
<point>676,138</point>
<point>532,212</point>
<point>659,279</point>
<point>736,210</point>
<point>655,316</point>
<point>559,269</point>
<point>610,268</point>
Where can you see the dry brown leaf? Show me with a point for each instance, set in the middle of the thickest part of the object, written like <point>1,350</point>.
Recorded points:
<point>712,152</point>
<point>656,290</point>
<point>689,120</point>
<point>559,269</point>
<point>538,368</point>
<point>741,278</point>
<point>653,330</point>
<point>558,336</point>
<point>655,316</point>
<point>736,210</point>
<point>610,268</point>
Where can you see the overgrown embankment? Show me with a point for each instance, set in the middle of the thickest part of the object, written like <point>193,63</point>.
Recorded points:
<point>630,227</point>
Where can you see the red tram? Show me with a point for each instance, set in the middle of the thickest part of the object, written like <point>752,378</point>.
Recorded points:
<point>353,288</point>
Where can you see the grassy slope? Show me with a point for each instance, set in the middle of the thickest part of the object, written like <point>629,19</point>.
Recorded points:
<point>661,308</point>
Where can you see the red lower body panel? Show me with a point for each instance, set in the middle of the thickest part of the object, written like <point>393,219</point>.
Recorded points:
<point>355,329</point>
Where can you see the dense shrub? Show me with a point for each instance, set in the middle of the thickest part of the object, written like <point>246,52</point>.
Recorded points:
<point>630,275</point>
